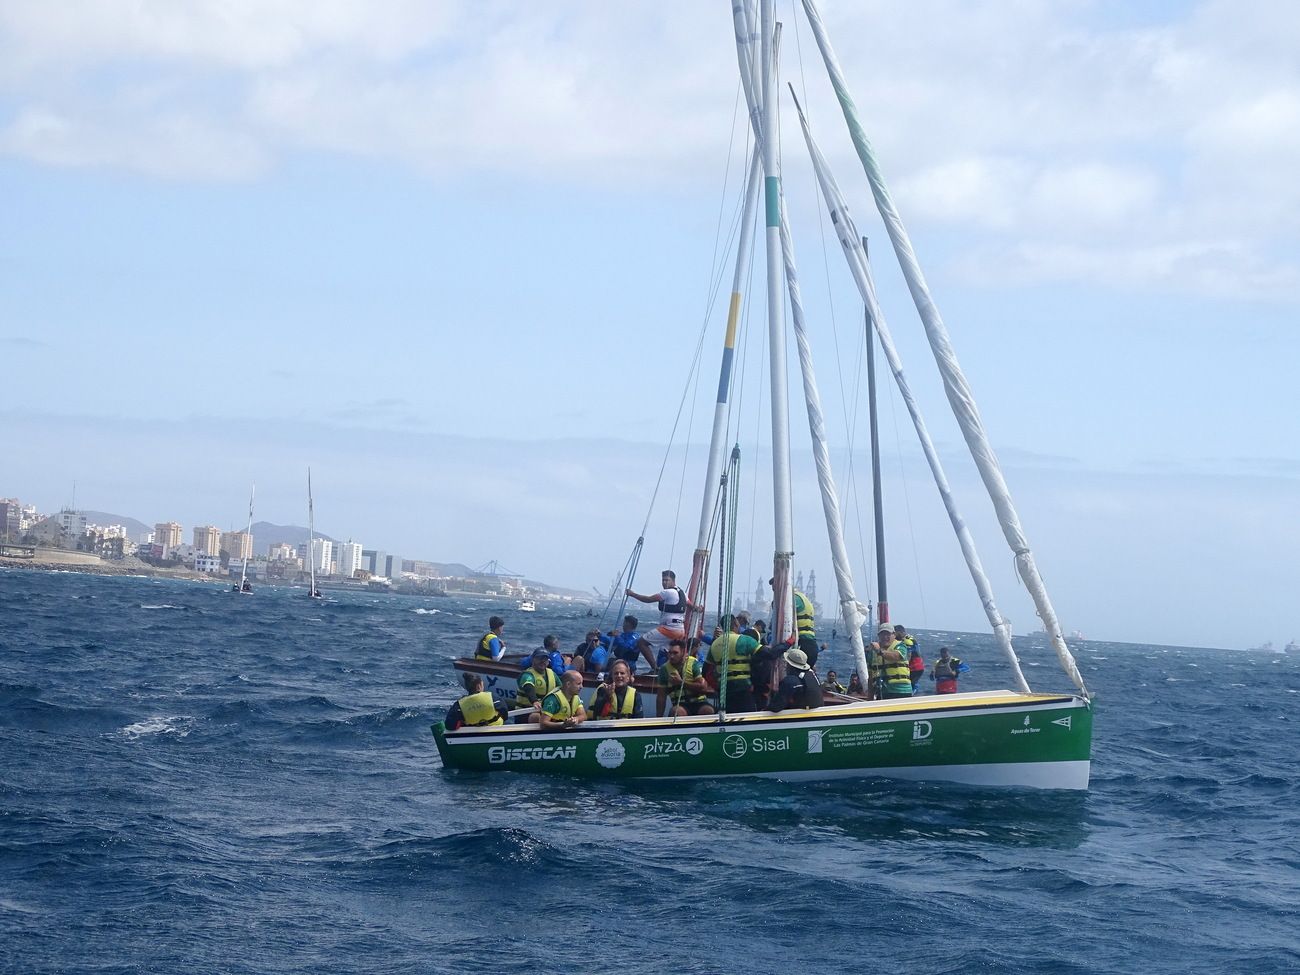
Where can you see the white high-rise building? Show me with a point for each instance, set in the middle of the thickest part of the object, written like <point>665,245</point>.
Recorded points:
<point>322,555</point>
<point>72,522</point>
<point>348,559</point>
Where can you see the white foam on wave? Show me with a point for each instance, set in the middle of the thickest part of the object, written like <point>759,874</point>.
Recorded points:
<point>177,724</point>
<point>159,606</point>
<point>10,905</point>
<point>426,612</point>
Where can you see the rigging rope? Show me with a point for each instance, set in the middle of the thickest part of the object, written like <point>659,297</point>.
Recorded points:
<point>907,507</point>
<point>716,277</point>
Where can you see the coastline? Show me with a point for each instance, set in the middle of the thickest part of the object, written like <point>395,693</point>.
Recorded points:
<point>102,568</point>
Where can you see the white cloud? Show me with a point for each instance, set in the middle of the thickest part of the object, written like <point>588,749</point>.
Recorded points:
<point>1015,195</point>
<point>1219,268</point>
<point>42,38</point>
<point>1028,121</point>
<point>173,146</point>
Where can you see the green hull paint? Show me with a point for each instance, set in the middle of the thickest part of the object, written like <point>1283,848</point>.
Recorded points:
<point>1035,740</point>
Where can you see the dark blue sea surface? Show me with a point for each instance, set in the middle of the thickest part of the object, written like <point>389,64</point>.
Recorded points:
<point>193,781</point>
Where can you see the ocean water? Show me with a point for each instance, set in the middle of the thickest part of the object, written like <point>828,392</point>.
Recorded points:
<point>192,781</point>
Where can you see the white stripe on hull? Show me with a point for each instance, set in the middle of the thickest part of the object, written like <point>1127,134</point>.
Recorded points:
<point>1035,775</point>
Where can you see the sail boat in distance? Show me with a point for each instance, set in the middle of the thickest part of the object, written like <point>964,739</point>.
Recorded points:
<point>244,587</point>
<point>313,592</point>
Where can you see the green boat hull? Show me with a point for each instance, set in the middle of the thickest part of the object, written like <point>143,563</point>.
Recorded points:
<point>1000,738</point>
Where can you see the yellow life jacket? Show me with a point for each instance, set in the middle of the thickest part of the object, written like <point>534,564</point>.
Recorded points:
<point>728,648</point>
<point>690,670</point>
<point>624,708</point>
<point>484,649</point>
<point>557,707</point>
<point>479,710</point>
<point>893,673</point>
<point>544,682</point>
<point>803,615</point>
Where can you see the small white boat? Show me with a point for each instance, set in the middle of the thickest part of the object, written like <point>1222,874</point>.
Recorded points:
<point>527,606</point>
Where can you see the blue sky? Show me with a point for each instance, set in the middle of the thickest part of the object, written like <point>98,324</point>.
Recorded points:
<point>457,256</point>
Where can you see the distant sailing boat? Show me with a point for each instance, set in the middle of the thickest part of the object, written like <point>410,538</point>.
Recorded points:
<point>312,593</point>
<point>245,587</point>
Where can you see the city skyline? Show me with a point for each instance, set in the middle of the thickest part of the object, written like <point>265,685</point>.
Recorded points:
<point>474,318</point>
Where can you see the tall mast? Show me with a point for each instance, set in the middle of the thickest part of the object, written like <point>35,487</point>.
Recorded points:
<point>877,494</point>
<point>311,535</point>
<point>717,446</point>
<point>960,396</point>
<point>243,572</point>
<point>782,501</point>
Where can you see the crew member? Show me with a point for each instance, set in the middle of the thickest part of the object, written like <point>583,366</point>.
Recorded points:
<point>490,645</point>
<point>681,681</point>
<point>623,645</point>
<point>559,661</point>
<point>672,617</point>
<point>800,687</point>
<point>562,709</point>
<point>728,666</point>
<point>946,671</point>
<point>476,709</point>
<point>833,682</point>
<point>619,700</point>
<point>805,623</point>
<point>887,667</point>
<point>591,655</point>
<point>534,684</point>
<point>915,662</point>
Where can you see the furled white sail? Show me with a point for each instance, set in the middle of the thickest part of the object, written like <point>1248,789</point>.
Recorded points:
<point>957,388</point>
<point>860,268</point>
<point>851,609</point>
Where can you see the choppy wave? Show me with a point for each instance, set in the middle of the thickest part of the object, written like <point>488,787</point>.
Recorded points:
<point>194,785</point>
<point>178,725</point>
